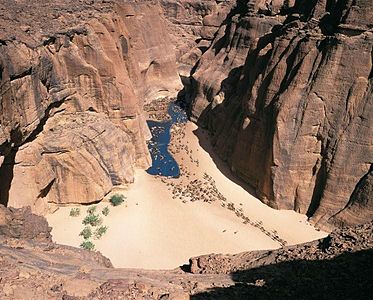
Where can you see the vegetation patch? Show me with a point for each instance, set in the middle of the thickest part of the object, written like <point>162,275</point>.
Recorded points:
<point>74,212</point>
<point>100,231</point>
<point>87,245</point>
<point>116,199</point>
<point>91,210</point>
<point>105,211</point>
<point>86,233</point>
<point>93,220</point>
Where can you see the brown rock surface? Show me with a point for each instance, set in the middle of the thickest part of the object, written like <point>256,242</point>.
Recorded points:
<point>22,224</point>
<point>76,158</point>
<point>192,25</point>
<point>74,72</point>
<point>337,267</point>
<point>288,100</point>
<point>348,239</point>
<point>191,20</point>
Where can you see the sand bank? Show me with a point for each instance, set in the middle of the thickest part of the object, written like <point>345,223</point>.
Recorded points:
<point>154,229</point>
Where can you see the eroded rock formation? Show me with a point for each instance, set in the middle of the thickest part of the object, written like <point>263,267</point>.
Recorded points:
<point>192,25</point>
<point>285,88</point>
<point>74,77</point>
<point>286,92</point>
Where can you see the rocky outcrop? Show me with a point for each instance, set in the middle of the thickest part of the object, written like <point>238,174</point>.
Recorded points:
<point>22,224</point>
<point>286,93</point>
<point>74,77</point>
<point>32,267</point>
<point>283,86</point>
<point>191,21</point>
<point>360,205</point>
<point>192,25</point>
<point>342,240</point>
<point>335,267</point>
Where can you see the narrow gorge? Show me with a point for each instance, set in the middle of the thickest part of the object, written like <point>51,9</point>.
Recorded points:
<point>186,128</point>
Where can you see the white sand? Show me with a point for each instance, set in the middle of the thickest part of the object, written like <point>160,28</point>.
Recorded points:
<point>153,231</point>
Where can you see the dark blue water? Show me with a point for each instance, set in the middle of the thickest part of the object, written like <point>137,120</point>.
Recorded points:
<point>163,163</point>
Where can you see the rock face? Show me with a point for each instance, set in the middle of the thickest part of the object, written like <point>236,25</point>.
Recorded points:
<point>193,20</point>
<point>22,224</point>
<point>348,239</point>
<point>320,269</point>
<point>74,77</point>
<point>284,87</point>
<point>286,93</point>
<point>192,26</point>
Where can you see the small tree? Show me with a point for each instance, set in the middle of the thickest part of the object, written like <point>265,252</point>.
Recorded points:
<point>86,233</point>
<point>105,211</point>
<point>100,232</point>
<point>74,212</point>
<point>117,199</point>
<point>88,245</point>
<point>93,220</point>
<point>91,210</point>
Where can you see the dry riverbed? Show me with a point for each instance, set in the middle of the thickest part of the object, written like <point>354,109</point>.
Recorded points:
<point>165,221</point>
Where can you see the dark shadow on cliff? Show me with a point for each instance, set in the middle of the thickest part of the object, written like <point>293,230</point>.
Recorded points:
<point>205,144</point>
<point>236,85</point>
<point>348,276</point>
<point>6,176</point>
<point>9,152</point>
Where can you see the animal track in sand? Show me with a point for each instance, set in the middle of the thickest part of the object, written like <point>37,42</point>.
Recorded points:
<point>190,188</point>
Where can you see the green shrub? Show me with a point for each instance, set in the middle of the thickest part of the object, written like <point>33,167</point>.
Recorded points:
<point>105,211</point>
<point>86,233</point>
<point>91,210</point>
<point>88,245</point>
<point>93,220</point>
<point>99,232</point>
<point>74,212</point>
<point>117,199</point>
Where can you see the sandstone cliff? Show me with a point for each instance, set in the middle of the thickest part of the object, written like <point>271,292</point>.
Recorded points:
<point>192,26</point>
<point>286,92</point>
<point>73,80</point>
<point>285,88</point>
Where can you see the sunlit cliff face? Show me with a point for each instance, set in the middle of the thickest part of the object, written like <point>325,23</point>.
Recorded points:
<point>283,88</point>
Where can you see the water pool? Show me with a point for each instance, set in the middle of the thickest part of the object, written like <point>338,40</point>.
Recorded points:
<point>163,163</point>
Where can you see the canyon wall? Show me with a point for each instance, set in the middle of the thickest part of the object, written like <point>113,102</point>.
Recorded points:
<point>73,80</point>
<point>284,87</point>
<point>286,92</point>
<point>192,25</point>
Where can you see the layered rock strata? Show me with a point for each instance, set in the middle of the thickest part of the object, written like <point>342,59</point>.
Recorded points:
<point>192,25</point>
<point>74,77</point>
<point>287,95</point>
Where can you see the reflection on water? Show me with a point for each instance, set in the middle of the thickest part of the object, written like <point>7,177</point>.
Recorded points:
<point>163,162</point>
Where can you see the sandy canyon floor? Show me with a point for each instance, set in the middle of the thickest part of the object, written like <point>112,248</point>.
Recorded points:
<point>165,221</point>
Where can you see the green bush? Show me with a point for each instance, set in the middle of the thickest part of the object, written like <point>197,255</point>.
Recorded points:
<point>99,232</point>
<point>93,220</point>
<point>91,210</point>
<point>88,245</point>
<point>117,199</point>
<point>86,233</point>
<point>105,211</point>
<point>74,212</point>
